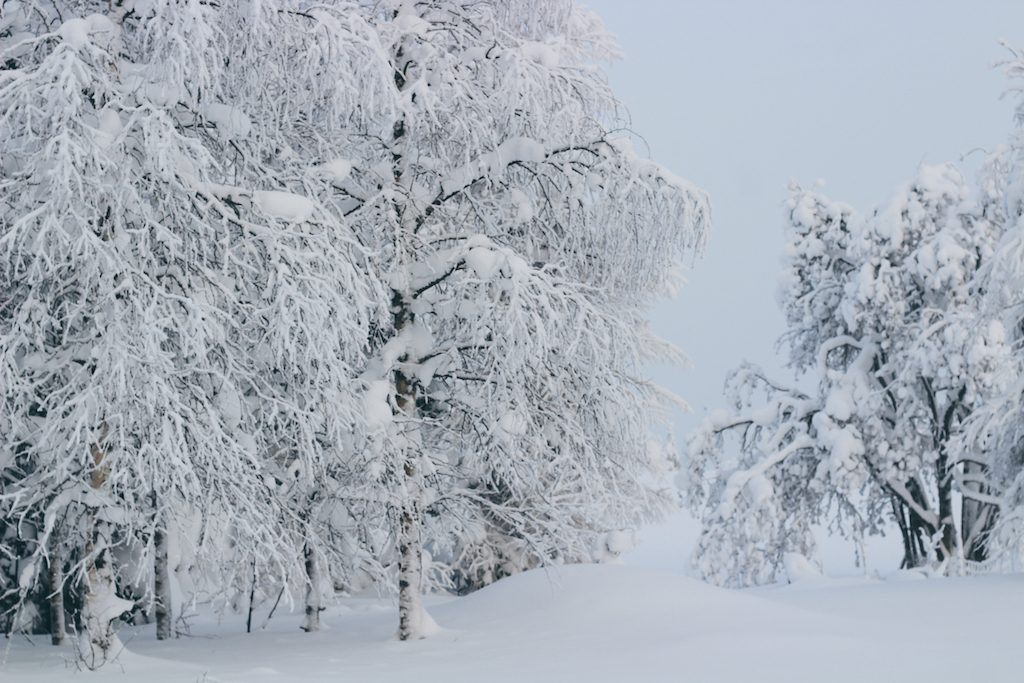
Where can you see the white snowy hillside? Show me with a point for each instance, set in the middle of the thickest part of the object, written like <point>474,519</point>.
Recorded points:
<point>608,623</point>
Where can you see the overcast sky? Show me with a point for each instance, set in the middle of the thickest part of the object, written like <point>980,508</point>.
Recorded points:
<point>743,96</point>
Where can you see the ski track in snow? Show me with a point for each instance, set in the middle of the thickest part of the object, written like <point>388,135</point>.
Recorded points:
<point>606,623</point>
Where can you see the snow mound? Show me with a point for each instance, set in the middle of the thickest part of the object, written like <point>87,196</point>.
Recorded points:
<point>799,568</point>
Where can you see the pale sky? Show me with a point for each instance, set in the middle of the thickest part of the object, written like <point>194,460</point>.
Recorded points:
<point>742,96</point>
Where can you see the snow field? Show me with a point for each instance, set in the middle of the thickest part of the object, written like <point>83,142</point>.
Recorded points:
<point>600,623</point>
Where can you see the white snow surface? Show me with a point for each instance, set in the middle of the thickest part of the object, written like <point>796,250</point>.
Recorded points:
<point>601,623</point>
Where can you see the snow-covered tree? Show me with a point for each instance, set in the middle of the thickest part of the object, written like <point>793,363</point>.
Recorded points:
<point>521,239</point>
<point>182,302</point>
<point>298,293</point>
<point>996,431</point>
<point>759,500</point>
<point>883,321</point>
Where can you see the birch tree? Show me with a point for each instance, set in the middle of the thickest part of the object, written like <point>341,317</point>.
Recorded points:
<point>521,239</point>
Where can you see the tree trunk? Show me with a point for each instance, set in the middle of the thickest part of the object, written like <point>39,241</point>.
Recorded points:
<point>314,592</point>
<point>976,517</point>
<point>412,618</point>
<point>252,599</point>
<point>947,525</point>
<point>162,609</point>
<point>920,531</point>
<point>411,615</point>
<point>55,575</point>
<point>101,606</point>
<point>910,558</point>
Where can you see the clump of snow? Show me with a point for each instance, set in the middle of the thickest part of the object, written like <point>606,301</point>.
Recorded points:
<point>109,127</point>
<point>619,541</point>
<point>513,423</point>
<point>27,576</point>
<point>284,205</point>
<point>231,122</point>
<point>418,339</point>
<point>516,149</point>
<point>483,261</point>
<point>337,170</point>
<point>839,404</point>
<point>377,405</point>
<point>426,370</point>
<point>409,23</point>
<point>718,418</point>
<point>95,28</point>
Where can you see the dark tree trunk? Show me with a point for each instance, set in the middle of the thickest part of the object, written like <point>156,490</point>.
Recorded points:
<point>946,550</point>
<point>899,511</point>
<point>314,594</point>
<point>920,530</point>
<point>55,583</point>
<point>977,518</point>
<point>252,600</point>
<point>161,585</point>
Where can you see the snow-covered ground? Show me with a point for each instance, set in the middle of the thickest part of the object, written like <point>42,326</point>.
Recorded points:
<point>609,623</point>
